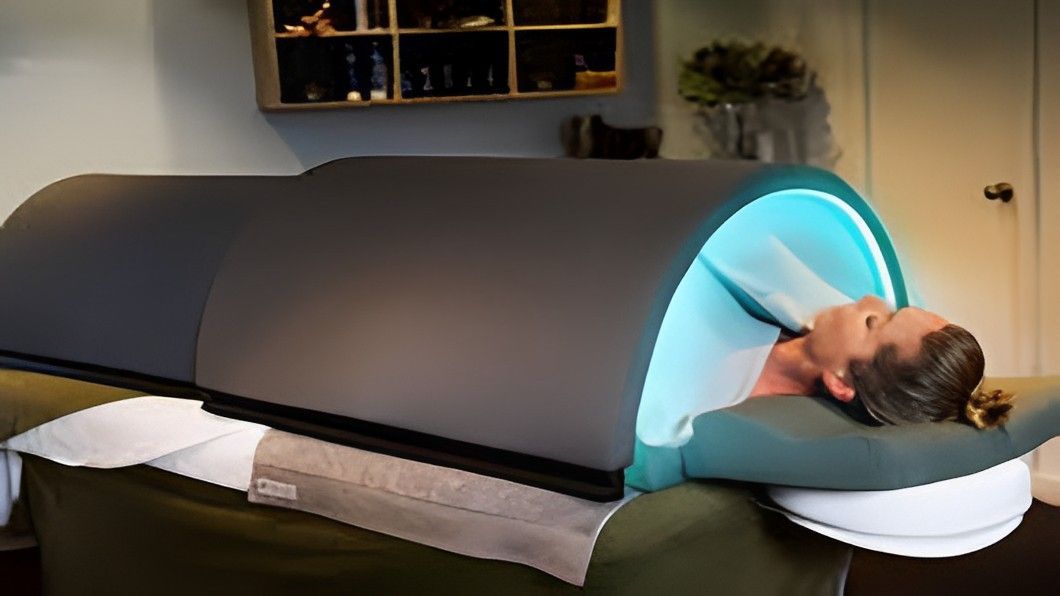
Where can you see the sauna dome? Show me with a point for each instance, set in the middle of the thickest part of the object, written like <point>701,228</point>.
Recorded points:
<point>492,314</point>
<point>799,251</point>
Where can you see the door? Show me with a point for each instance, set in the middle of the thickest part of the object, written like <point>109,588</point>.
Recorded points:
<point>950,103</point>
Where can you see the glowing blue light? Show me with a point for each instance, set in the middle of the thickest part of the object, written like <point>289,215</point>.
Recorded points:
<point>696,364</point>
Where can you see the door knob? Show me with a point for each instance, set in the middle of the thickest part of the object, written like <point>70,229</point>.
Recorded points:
<point>1001,190</point>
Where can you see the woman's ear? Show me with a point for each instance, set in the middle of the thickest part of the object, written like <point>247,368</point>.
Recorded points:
<point>837,386</point>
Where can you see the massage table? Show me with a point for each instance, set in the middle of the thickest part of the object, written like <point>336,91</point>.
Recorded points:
<point>111,302</point>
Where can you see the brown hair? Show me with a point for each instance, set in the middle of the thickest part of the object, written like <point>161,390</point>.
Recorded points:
<point>942,382</point>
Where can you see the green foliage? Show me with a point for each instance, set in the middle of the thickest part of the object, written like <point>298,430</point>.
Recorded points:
<point>736,72</point>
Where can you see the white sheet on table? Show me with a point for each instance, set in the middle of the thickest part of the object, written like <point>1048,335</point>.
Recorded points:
<point>225,461</point>
<point>127,432</point>
<point>165,432</point>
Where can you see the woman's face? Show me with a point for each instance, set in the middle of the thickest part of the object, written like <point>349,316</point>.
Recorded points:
<point>856,331</point>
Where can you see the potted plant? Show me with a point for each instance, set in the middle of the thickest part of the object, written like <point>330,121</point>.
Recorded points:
<point>758,102</point>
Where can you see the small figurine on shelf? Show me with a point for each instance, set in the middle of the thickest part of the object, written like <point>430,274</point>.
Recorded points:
<point>451,14</point>
<point>314,91</point>
<point>317,23</point>
<point>469,22</point>
<point>426,70</point>
<point>542,79</point>
<point>379,73</point>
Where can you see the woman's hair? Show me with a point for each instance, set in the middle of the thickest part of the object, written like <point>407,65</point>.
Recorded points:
<point>942,382</point>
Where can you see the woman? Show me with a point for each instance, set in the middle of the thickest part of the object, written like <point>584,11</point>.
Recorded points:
<point>905,366</point>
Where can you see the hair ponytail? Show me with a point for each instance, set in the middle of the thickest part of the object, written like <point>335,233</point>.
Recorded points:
<point>943,382</point>
<point>987,409</point>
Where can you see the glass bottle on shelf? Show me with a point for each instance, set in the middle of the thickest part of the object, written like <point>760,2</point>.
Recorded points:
<point>379,73</point>
<point>354,94</point>
<point>447,75</point>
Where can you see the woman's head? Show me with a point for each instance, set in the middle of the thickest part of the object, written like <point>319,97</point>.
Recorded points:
<point>857,331</point>
<point>905,366</point>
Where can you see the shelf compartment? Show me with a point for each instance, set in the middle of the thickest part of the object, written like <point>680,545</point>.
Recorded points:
<point>380,33</point>
<point>341,16</point>
<point>320,69</point>
<point>559,12</point>
<point>464,30</point>
<point>454,64</point>
<point>549,61</point>
<point>578,26</point>
<point>454,15</point>
<point>459,98</point>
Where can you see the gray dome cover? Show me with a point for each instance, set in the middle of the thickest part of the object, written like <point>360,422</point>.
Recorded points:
<point>501,312</point>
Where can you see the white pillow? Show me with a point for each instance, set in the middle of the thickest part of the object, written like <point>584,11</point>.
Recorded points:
<point>940,519</point>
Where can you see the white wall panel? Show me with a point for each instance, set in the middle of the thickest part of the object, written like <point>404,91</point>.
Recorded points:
<point>1049,170</point>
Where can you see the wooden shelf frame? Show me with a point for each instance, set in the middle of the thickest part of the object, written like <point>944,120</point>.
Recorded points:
<point>266,62</point>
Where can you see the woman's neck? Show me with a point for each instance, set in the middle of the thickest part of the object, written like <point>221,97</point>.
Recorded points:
<point>788,371</point>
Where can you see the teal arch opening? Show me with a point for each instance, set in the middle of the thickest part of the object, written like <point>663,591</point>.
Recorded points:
<point>809,248</point>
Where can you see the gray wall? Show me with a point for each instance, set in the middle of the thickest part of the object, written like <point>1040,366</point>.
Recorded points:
<point>166,86</point>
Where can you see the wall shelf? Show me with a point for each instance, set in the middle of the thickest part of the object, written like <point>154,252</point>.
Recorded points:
<point>410,52</point>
